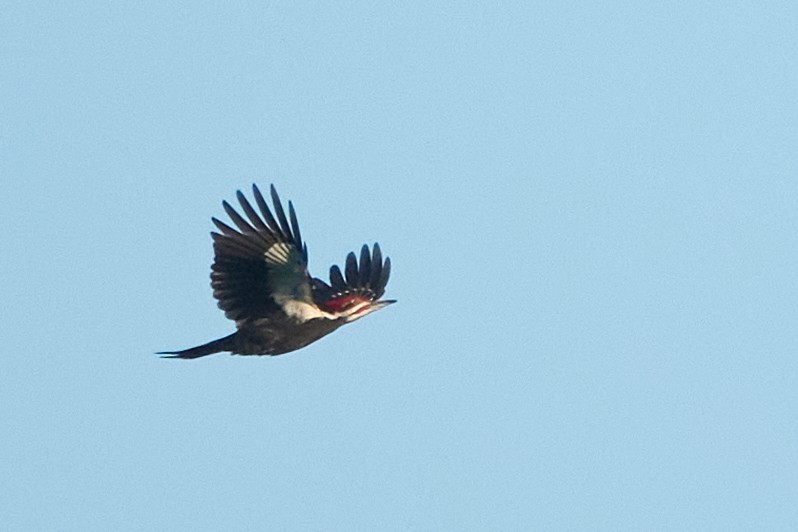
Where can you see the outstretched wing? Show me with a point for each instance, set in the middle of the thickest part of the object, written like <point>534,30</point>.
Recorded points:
<point>263,263</point>
<point>363,281</point>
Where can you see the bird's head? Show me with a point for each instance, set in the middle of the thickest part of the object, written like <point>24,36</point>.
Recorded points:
<point>357,291</point>
<point>354,306</point>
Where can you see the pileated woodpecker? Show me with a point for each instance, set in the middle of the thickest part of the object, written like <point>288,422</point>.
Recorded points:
<point>260,278</point>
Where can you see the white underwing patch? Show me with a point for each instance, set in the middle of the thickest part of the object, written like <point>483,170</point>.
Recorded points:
<point>301,311</point>
<point>278,253</point>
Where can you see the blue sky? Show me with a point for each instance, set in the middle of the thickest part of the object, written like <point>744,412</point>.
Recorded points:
<point>591,213</point>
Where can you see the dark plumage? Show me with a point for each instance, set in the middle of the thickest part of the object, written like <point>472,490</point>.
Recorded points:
<point>260,278</point>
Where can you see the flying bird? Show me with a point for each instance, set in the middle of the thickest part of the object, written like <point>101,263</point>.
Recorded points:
<point>260,279</point>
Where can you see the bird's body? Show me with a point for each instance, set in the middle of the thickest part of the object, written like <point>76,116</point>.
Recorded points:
<point>260,279</point>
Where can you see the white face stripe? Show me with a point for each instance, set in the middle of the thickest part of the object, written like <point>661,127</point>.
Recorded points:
<point>301,311</point>
<point>353,313</point>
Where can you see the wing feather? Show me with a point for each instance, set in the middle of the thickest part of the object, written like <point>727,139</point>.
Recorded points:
<point>295,230</point>
<point>242,224</point>
<point>384,275</point>
<point>352,275</point>
<point>336,279</point>
<point>251,214</point>
<point>376,266</point>
<point>264,209</point>
<point>364,275</point>
<point>259,263</point>
<point>280,213</point>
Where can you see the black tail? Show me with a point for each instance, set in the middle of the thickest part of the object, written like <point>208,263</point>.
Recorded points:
<point>227,343</point>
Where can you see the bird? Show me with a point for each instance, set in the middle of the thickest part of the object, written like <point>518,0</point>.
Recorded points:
<point>260,280</point>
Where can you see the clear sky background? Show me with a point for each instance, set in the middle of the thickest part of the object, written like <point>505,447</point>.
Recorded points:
<point>592,213</point>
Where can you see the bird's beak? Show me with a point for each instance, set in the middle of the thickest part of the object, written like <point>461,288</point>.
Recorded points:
<point>377,305</point>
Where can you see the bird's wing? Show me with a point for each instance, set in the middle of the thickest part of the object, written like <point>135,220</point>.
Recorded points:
<point>261,265</point>
<point>363,281</point>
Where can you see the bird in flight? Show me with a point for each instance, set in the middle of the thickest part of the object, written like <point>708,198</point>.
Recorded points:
<point>260,278</point>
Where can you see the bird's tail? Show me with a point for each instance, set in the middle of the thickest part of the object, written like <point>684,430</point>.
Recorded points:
<point>227,343</point>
